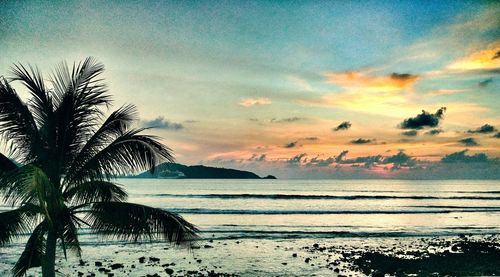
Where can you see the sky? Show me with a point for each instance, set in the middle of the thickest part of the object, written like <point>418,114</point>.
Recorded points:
<point>297,89</point>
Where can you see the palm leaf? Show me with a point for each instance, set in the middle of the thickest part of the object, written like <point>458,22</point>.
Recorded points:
<point>131,152</point>
<point>6,164</point>
<point>115,125</point>
<point>134,222</point>
<point>16,222</point>
<point>33,252</point>
<point>41,102</point>
<point>17,125</point>
<point>95,191</point>
<point>68,232</point>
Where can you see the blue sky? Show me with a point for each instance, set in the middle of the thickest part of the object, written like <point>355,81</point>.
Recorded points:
<point>246,78</point>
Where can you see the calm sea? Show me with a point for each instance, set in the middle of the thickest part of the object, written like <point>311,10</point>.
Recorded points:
<point>280,209</point>
<point>272,209</point>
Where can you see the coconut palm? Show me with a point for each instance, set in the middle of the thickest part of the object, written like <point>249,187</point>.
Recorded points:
<point>67,154</point>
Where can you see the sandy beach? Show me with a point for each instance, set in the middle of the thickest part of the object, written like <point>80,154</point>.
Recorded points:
<point>251,257</point>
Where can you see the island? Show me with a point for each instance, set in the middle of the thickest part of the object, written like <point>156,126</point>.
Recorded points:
<point>180,171</point>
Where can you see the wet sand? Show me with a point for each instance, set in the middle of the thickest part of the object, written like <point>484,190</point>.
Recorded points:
<point>252,257</point>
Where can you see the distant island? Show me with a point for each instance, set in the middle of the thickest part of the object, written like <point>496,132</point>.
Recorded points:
<point>180,171</point>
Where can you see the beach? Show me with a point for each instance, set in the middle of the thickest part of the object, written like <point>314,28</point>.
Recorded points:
<point>297,228</point>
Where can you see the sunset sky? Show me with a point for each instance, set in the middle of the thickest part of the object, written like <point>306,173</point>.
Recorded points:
<point>283,87</point>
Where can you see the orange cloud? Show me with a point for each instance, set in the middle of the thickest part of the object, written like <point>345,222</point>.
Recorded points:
<point>361,81</point>
<point>248,102</point>
<point>484,59</point>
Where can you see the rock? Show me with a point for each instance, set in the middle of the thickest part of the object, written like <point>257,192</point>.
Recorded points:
<point>377,273</point>
<point>169,271</point>
<point>98,263</point>
<point>116,266</point>
<point>154,259</point>
<point>307,260</point>
<point>336,270</point>
<point>315,245</point>
<point>199,261</point>
<point>294,255</point>
<point>284,263</point>
<point>208,246</point>
<point>142,259</point>
<point>111,274</point>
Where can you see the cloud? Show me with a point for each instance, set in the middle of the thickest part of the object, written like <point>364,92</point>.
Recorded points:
<point>485,59</point>
<point>343,126</point>
<point>497,55</point>
<point>469,142</point>
<point>162,123</point>
<point>257,158</point>
<point>291,144</point>
<point>411,133</point>
<point>424,119</point>
<point>361,141</point>
<point>367,83</point>
<point>400,159</point>
<point>286,120</point>
<point>297,159</point>
<point>320,162</point>
<point>434,132</point>
<point>439,92</point>
<point>485,83</point>
<point>249,102</point>
<point>485,129</point>
<point>461,157</point>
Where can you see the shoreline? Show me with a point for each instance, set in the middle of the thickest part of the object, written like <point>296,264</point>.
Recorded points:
<point>253,257</point>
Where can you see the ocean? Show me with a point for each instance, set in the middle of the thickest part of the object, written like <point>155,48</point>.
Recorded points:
<point>270,209</point>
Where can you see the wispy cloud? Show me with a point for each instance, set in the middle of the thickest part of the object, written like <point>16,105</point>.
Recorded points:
<point>366,83</point>
<point>249,102</point>
<point>162,123</point>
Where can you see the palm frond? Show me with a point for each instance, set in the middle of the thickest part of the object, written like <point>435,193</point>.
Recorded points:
<point>131,152</point>
<point>41,102</point>
<point>17,125</point>
<point>68,232</point>
<point>95,191</point>
<point>33,252</point>
<point>29,184</point>
<point>17,221</point>
<point>116,124</point>
<point>78,95</point>
<point>6,164</point>
<point>134,222</point>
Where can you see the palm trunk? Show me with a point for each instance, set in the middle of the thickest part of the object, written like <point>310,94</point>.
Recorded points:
<point>49,260</point>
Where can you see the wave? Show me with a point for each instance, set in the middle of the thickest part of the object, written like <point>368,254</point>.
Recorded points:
<point>323,212</point>
<point>322,197</point>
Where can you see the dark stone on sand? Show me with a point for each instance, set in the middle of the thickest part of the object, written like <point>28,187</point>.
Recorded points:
<point>80,273</point>
<point>336,270</point>
<point>98,264</point>
<point>315,245</point>
<point>132,266</point>
<point>199,261</point>
<point>82,263</point>
<point>294,255</point>
<point>284,263</point>
<point>208,246</point>
<point>154,259</point>
<point>116,266</point>
<point>142,260</point>
<point>111,274</point>
<point>169,271</point>
<point>307,260</point>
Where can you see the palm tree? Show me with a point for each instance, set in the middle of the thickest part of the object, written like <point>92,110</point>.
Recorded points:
<point>67,154</point>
